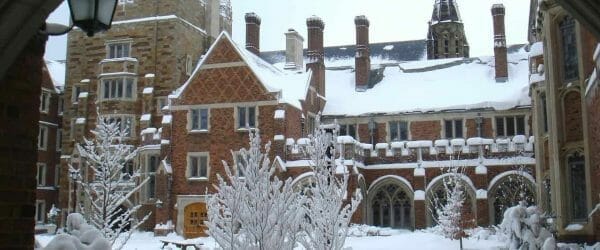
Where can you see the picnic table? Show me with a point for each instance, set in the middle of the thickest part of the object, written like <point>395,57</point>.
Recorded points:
<point>183,244</point>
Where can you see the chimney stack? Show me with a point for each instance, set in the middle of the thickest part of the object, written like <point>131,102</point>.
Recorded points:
<point>315,53</point>
<point>294,58</point>
<point>500,43</point>
<point>362,60</point>
<point>252,32</point>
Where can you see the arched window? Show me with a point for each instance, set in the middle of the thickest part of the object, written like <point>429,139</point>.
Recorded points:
<point>576,186</point>
<point>508,191</point>
<point>391,206</point>
<point>437,197</point>
<point>303,184</point>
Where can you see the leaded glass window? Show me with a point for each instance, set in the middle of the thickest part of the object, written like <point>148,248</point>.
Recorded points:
<point>569,48</point>
<point>578,204</point>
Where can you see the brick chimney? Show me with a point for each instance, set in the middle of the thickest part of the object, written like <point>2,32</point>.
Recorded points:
<point>294,58</point>
<point>252,32</point>
<point>315,53</point>
<point>362,60</point>
<point>500,43</point>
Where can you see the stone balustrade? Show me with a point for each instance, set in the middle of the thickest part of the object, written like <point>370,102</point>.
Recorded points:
<point>418,151</point>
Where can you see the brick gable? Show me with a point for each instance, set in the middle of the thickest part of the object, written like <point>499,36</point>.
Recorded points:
<point>224,84</point>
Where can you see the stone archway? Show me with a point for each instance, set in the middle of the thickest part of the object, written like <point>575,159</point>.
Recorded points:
<point>390,204</point>
<point>507,190</point>
<point>435,193</point>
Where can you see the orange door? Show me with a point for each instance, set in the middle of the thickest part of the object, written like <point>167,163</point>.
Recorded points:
<point>195,215</point>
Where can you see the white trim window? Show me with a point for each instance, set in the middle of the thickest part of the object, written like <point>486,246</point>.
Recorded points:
<point>510,126</point>
<point>41,174</point>
<point>348,129</point>
<point>199,119</point>
<point>45,101</point>
<point>118,88</point>
<point>453,129</point>
<point>43,137</point>
<point>118,50</point>
<point>198,166</point>
<point>152,162</point>
<point>161,102</point>
<point>246,117</point>
<point>398,130</point>
<point>126,123</point>
<point>40,211</point>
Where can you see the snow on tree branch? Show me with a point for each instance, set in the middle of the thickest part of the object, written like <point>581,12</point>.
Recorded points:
<point>252,208</point>
<point>106,186</point>
<point>329,212</point>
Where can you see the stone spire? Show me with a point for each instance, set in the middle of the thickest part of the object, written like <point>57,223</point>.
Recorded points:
<point>444,11</point>
<point>446,34</point>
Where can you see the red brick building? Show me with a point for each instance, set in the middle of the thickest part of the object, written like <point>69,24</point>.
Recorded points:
<point>49,140</point>
<point>126,73</point>
<point>402,119</point>
<point>401,124</point>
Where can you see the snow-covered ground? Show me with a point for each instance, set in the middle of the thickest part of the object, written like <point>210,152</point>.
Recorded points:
<point>360,237</point>
<point>393,239</point>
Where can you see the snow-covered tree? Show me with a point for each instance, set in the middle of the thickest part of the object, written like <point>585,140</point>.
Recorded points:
<point>328,208</point>
<point>105,186</point>
<point>253,208</point>
<point>448,207</point>
<point>524,229</point>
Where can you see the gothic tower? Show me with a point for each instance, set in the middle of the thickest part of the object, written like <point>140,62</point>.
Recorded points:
<point>446,35</point>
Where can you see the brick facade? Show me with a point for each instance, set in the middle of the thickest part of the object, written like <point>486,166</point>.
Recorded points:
<point>162,53</point>
<point>20,89</point>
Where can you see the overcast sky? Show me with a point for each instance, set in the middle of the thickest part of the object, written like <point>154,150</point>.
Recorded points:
<point>391,20</point>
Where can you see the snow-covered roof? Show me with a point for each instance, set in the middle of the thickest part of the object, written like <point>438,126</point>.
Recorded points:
<point>441,85</point>
<point>57,73</point>
<point>343,55</point>
<point>537,49</point>
<point>292,86</point>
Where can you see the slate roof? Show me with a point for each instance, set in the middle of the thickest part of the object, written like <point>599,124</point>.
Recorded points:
<point>399,51</point>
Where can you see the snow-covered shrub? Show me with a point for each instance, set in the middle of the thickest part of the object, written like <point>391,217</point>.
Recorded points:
<point>81,236</point>
<point>106,189</point>
<point>329,205</point>
<point>362,230</point>
<point>256,211</point>
<point>52,214</point>
<point>524,229</point>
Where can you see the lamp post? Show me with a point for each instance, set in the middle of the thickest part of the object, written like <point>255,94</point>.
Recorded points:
<point>91,16</point>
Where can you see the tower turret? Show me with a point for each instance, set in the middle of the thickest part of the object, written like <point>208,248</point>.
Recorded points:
<point>446,34</point>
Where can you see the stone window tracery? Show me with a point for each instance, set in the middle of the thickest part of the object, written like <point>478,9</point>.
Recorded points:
<point>392,207</point>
